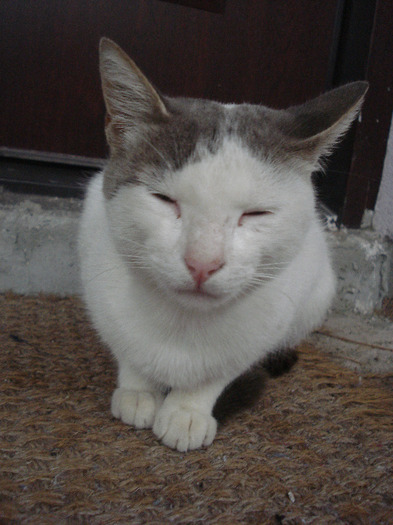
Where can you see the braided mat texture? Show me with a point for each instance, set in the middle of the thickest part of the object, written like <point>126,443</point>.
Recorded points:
<point>316,446</point>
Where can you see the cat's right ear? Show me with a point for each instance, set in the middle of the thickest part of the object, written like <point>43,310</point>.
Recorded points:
<point>130,100</point>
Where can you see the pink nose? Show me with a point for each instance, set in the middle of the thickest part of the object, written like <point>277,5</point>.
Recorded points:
<point>202,270</point>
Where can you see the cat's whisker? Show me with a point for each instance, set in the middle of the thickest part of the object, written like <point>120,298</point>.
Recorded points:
<point>261,268</point>
<point>121,236</point>
<point>138,265</point>
<point>133,256</point>
<point>101,273</point>
<point>135,264</point>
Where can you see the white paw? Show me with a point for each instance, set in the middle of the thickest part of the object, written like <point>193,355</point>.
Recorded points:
<point>134,408</point>
<point>184,429</point>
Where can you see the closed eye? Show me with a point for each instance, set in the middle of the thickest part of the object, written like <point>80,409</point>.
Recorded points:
<point>252,214</point>
<point>164,198</point>
<point>257,213</point>
<point>168,200</point>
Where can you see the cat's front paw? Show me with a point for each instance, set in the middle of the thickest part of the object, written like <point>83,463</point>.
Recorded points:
<point>184,429</point>
<point>134,408</point>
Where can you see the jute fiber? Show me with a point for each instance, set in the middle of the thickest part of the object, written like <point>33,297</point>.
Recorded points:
<point>315,447</point>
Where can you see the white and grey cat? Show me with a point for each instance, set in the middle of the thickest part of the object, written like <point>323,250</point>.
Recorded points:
<point>201,249</point>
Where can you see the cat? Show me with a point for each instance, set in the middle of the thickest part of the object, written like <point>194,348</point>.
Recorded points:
<point>200,246</point>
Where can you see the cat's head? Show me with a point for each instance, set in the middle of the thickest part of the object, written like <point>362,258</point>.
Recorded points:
<point>208,201</point>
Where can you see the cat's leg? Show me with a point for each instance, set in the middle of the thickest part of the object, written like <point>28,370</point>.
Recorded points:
<point>184,421</point>
<point>135,401</point>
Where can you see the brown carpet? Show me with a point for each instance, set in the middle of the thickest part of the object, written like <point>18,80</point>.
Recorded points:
<point>316,447</point>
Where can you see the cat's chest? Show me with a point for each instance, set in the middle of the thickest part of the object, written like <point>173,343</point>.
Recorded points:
<point>243,324</point>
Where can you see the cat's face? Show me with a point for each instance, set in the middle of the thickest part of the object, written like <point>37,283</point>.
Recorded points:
<point>215,229</point>
<point>207,201</point>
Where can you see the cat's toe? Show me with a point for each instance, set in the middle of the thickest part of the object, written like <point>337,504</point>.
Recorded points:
<point>184,429</point>
<point>134,408</point>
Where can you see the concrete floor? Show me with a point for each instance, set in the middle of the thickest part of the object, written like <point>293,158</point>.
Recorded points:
<point>362,343</point>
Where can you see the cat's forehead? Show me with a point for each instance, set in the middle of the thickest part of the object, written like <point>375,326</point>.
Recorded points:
<point>231,174</point>
<point>255,126</point>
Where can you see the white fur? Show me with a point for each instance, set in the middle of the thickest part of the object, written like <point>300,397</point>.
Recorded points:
<point>274,288</point>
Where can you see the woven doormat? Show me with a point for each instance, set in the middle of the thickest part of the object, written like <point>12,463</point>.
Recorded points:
<point>316,446</point>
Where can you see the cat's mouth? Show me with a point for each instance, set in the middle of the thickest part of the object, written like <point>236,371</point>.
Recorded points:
<point>198,294</point>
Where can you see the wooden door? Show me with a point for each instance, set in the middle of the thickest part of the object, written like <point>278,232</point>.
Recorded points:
<point>277,52</point>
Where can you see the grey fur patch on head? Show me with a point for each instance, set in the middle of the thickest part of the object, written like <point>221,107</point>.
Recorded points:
<point>194,127</point>
<point>257,128</point>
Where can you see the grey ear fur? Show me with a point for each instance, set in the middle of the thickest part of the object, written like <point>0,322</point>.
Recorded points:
<point>313,128</point>
<point>128,94</point>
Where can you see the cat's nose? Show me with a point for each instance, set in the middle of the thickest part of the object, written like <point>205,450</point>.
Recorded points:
<point>202,270</point>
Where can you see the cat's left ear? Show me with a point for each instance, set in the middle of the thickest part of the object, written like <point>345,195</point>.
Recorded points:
<point>130,100</point>
<point>313,128</point>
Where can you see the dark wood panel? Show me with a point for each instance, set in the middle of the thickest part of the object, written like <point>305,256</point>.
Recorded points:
<point>49,80</point>
<point>216,6</point>
<point>354,34</point>
<point>271,51</point>
<point>373,130</point>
